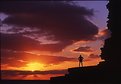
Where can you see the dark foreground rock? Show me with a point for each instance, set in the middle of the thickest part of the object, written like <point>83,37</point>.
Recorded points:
<point>92,74</point>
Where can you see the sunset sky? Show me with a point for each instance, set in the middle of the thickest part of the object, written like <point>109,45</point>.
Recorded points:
<point>40,39</point>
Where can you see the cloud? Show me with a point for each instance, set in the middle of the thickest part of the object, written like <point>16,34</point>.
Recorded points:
<point>21,43</point>
<point>18,72</point>
<point>93,56</point>
<point>83,49</point>
<point>20,59</point>
<point>104,34</point>
<point>26,75</point>
<point>11,59</point>
<point>58,21</point>
<point>18,42</point>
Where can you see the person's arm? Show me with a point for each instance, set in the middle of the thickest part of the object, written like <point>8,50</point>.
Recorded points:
<point>78,58</point>
<point>82,58</point>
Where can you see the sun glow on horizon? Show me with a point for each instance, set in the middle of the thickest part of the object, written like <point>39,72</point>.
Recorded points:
<point>33,66</point>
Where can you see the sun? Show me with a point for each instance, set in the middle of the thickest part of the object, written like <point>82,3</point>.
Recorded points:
<point>33,66</point>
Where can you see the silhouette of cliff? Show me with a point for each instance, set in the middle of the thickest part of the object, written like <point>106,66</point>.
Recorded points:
<point>107,71</point>
<point>112,48</point>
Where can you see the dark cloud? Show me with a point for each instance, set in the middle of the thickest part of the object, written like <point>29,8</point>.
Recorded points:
<point>18,72</point>
<point>18,59</point>
<point>18,42</point>
<point>58,21</point>
<point>21,43</point>
<point>93,56</point>
<point>83,49</point>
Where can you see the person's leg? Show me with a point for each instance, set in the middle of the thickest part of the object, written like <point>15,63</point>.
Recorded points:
<point>79,64</point>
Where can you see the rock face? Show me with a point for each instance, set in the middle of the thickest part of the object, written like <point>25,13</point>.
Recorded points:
<point>111,52</point>
<point>107,71</point>
<point>92,74</point>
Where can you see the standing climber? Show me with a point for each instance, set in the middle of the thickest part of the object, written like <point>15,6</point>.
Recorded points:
<point>80,60</point>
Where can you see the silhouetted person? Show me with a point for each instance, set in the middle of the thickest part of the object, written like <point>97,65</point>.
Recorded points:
<point>80,60</point>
